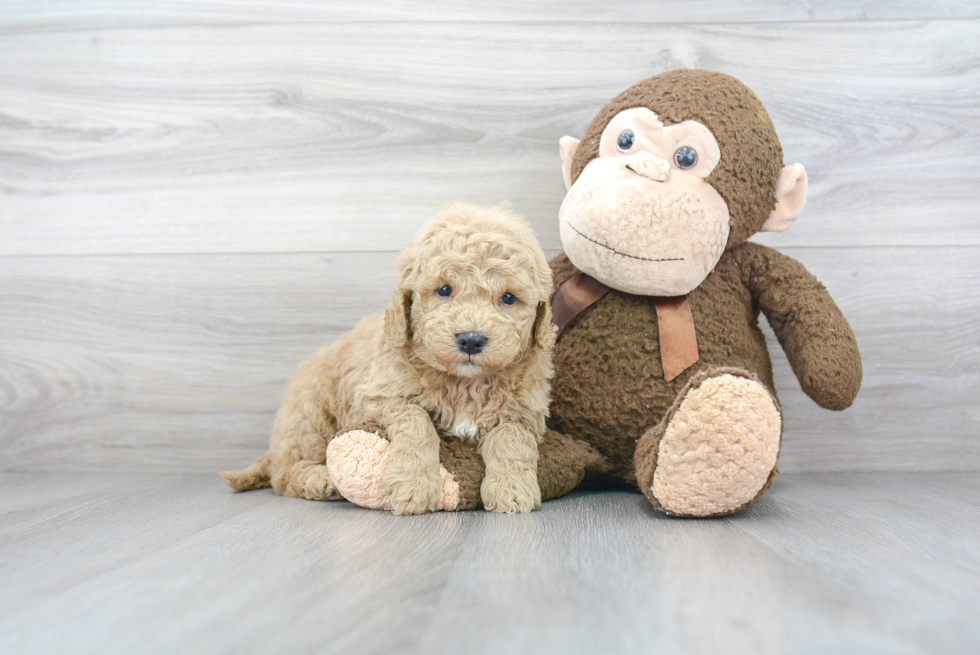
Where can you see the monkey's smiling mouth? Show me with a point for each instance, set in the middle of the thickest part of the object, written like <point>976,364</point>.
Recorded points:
<point>602,245</point>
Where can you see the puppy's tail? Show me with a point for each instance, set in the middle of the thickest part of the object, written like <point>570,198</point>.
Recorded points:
<point>255,476</point>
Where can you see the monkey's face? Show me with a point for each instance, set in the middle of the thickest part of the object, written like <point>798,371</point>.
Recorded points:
<point>641,217</point>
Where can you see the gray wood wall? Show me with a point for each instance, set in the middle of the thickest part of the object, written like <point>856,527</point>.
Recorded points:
<point>195,195</point>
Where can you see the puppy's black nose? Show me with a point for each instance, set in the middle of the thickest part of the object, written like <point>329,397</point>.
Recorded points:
<point>471,342</point>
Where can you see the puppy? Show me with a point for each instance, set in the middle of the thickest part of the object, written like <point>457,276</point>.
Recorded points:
<point>463,349</point>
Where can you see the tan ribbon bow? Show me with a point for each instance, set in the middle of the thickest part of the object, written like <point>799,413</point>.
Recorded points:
<point>678,340</point>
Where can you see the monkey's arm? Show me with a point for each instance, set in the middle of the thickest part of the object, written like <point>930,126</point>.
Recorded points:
<point>811,329</point>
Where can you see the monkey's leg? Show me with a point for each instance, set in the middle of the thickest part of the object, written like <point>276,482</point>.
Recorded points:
<point>356,460</point>
<point>715,450</point>
<point>563,462</point>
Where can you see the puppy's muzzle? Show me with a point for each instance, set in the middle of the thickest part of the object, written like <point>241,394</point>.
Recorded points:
<point>471,343</point>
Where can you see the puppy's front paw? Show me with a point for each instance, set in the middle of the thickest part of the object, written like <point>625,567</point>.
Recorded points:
<point>410,490</point>
<point>515,493</point>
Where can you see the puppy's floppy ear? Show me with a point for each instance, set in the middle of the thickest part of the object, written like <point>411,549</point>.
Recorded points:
<point>398,315</point>
<point>398,319</point>
<point>544,328</point>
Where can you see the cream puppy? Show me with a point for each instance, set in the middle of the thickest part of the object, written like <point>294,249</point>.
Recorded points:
<point>464,349</point>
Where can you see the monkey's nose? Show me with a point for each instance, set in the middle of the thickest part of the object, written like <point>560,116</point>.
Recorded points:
<point>471,342</point>
<point>649,166</point>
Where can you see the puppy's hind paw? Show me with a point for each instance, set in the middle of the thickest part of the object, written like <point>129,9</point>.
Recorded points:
<point>318,485</point>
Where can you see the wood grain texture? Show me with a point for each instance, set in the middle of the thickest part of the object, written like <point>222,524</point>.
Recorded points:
<point>161,360</point>
<point>179,362</point>
<point>839,563</point>
<point>346,136</point>
<point>195,195</point>
<point>48,15</point>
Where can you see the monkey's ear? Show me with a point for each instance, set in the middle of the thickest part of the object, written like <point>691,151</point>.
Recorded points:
<point>790,198</point>
<point>567,146</point>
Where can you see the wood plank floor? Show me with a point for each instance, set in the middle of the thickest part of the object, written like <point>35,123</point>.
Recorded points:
<point>165,563</point>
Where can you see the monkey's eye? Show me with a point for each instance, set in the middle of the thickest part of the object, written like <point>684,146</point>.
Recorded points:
<point>508,298</point>
<point>685,158</point>
<point>445,291</point>
<point>625,140</point>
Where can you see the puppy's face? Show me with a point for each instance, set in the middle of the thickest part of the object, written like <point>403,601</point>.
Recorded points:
<point>476,299</point>
<point>471,317</point>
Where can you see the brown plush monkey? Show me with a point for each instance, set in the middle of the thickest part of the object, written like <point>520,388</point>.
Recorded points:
<point>666,373</point>
<point>662,376</point>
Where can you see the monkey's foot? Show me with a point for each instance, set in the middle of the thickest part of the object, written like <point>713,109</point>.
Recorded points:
<point>715,452</point>
<point>356,461</point>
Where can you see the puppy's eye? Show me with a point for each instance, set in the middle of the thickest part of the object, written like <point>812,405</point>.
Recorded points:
<point>445,291</point>
<point>625,140</point>
<point>686,157</point>
<point>508,298</point>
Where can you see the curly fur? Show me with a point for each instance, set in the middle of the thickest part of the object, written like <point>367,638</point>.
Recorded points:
<point>405,372</point>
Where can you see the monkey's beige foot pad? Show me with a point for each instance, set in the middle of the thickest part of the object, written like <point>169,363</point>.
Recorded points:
<point>718,449</point>
<point>356,461</point>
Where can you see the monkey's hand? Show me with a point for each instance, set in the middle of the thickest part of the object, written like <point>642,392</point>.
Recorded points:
<point>818,341</point>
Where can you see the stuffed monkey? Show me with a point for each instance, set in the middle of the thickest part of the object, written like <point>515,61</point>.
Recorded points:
<point>661,365</point>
